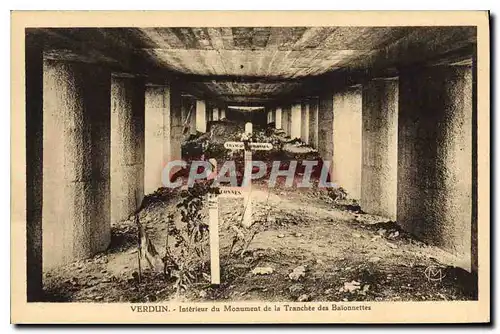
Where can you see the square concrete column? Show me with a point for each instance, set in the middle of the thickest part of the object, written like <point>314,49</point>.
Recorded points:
<point>223,114</point>
<point>188,115</point>
<point>76,161</point>
<point>173,150</point>
<point>215,113</point>
<point>201,117</point>
<point>347,140</point>
<point>269,116</point>
<point>325,128</point>
<point>286,120</point>
<point>304,130</point>
<point>278,118</point>
<point>435,157</point>
<point>157,102</point>
<point>380,148</point>
<point>209,116</point>
<point>289,120</point>
<point>313,123</point>
<point>249,127</point>
<point>296,115</point>
<point>34,167</point>
<point>192,117</point>
<point>163,132</point>
<point>127,145</point>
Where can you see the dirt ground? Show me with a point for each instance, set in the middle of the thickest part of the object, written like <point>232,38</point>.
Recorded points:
<point>306,249</point>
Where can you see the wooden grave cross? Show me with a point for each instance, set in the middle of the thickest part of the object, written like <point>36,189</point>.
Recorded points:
<point>213,205</point>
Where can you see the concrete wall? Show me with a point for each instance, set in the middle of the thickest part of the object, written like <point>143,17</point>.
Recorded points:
<point>347,140</point>
<point>304,122</point>
<point>313,123</point>
<point>76,185</point>
<point>435,157</point>
<point>259,118</point>
<point>296,117</point>
<point>127,146</point>
<point>380,148</point>
<point>325,128</point>
<point>34,168</point>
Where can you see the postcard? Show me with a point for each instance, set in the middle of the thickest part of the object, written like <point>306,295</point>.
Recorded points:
<point>250,167</point>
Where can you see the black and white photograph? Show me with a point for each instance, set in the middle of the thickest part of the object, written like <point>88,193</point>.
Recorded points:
<point>226,168</point>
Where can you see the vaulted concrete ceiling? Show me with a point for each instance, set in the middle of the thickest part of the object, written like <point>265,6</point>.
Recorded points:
<point>256,65</point>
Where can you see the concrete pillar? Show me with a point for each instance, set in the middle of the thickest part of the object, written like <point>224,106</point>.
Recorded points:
<point>285,120</point>
<point>325,128</point>
<point>347,140</point>
<point>435,157</point>
<point>215,113</point>
<point>269,116</point>
<point>174,140</point>
<point>157,101</point>
<point>192,117</point>
<point>185,117</point>
<point>187,110</point>
<point>163,132</point>
<point>296,115</point>
<point>248,127</point>
<point>380,148</point>
<point>304,130</point>
<point>34,168</point>
<point>289,120</point>
<point>313,123</point>
<point>278,118</point>
<point>127,145</point>
<point>209,116</point>
<point>201,120</point>
<point>76,158</point>
<point>223,114</point>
